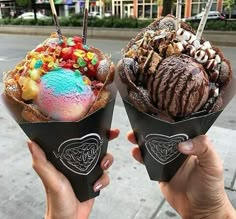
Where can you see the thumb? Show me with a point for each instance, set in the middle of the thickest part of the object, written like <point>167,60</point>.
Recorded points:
<point>49,175</point>
<point>203,148</point>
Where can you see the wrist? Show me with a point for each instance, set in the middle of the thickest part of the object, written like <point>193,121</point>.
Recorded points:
<point>225,211</point>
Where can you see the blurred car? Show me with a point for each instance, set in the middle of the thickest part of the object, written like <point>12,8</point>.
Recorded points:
<point>107,14</point>
<point>30,15</point>
<point>97,14</point>
<point>94,14</point>
<point>212,15</point>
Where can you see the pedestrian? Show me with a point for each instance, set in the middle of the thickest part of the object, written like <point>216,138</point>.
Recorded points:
<point>196,190</point>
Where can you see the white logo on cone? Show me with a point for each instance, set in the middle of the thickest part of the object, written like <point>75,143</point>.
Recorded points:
<point>163,148</point>
<point>80,155</point>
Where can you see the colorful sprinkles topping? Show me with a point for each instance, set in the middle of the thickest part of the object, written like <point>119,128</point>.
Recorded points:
<point>53,54</point>
<point>71,53</point>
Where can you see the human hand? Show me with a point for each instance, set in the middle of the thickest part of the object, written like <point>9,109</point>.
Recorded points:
<point>61,200</point>
<point>197,189</point>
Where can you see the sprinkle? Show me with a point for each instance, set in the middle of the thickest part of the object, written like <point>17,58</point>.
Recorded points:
<point>86,80</point>
<point>56,66</point>
<point>90,55</point>
<point>78,72</point>
<point>86,47</point>
<point>81,62</point>
<point>70,42</point>
<point>20,67</point>
<point>91,67</point>
<point>48,59</point>
<point>50,65</point>
<point>38,64</point>
<point>65,50</point>
<point>45,67</point>
<point>32,63</point>
<point>35,74</point>
<point>75,66</point>
<point>58,50</point>
<point>79,53</point>
<point>94,60</point>
<point>77,39</point>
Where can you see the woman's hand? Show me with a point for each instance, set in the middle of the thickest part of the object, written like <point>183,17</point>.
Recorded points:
<point>197,189</point>
<point>61,200</point>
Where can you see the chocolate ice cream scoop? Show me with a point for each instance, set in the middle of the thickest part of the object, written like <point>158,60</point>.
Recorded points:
<point>180,86</point>
<point>180,75</point>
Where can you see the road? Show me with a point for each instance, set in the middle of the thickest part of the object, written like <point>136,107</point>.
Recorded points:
<point>14,48</point>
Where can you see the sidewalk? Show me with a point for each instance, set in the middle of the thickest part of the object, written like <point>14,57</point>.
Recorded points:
<point>219,38</point>
<point>130,195</point>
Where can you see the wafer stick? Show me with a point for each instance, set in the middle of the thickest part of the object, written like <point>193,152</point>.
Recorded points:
<point>178,13</point>
<point>203,20</point>
<point>85,22</point>
<point>55,18</point>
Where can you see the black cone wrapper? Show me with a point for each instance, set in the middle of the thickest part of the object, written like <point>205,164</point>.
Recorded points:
<point>75,148</point>
<point>158,139</point>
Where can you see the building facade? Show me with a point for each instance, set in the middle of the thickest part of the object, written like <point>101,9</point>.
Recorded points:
<point>142,9</point>
<point>7,8</point>
<point>145,9</point>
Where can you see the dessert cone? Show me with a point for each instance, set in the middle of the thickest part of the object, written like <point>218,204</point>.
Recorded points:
<point>74,119</point>
<point>158,139</point>
<point>158,132</point>
<point>74,148</point>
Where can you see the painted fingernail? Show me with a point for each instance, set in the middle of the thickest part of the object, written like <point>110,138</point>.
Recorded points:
<point>186,146</point>
<point>97,187</point>
<point>106,164</point>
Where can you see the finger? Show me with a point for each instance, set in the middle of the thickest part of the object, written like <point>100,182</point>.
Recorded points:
<point>107,161</point>
<point>113,133</point>
<point>131,137</point>
<point>203,148</point>
<point>102,182</point>
<point>49,175</point>
<point>136,153</point>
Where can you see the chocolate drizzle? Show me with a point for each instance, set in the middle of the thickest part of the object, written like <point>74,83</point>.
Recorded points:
<point>180,74</point>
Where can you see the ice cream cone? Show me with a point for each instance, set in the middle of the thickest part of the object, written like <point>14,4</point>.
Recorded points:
<point>74,148</point>
<point>158,139</point>
<point>170,95</point>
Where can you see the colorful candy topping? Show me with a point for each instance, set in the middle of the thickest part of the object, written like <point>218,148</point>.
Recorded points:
<point>50,55</point>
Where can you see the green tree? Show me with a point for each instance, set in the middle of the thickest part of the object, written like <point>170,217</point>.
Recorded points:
<point>167,6</point>
<point>23,3</point>
<point>228,5</point>
<point>29,4</point>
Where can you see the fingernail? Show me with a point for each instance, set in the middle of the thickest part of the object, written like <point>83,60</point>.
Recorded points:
<point>186,146</point>
<point>30,147</point>
<point>106,164</point>
<point>97,187</point>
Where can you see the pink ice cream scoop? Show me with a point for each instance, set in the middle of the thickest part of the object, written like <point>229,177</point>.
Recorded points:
<point>64,95</point>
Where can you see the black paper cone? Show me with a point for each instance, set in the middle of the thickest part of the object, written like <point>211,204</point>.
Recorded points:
<point>75,148</point>
<point>158,139</point>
